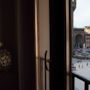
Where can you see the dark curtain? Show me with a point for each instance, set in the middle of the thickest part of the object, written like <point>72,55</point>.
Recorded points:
<point>17,34</point>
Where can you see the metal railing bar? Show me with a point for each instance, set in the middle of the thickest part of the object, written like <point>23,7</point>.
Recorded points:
<point>87,82</point>
<point>81,78</point>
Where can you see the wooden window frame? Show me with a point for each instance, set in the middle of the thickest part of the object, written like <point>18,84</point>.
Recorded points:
<point>68,58</point>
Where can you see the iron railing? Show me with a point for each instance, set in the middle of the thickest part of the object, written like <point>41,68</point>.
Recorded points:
<point>87,82</point>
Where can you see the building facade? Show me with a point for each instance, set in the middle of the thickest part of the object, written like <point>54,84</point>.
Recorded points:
<point>73,4</point>
<point>81,36</point>
<point>87,36</point>
<point>78,38</point>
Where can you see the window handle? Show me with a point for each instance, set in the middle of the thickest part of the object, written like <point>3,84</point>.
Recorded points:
<point>46,67</point>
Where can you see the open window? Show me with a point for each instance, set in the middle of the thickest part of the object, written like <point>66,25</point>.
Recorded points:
<point>78,44</point>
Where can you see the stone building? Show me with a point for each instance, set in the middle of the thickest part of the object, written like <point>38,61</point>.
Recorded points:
<point>81,36</point>
<point>87,36</point>
<point>73,4</point>
<point>78,38</point>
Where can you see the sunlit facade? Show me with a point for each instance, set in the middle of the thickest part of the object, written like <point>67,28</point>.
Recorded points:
<point>87,36</point>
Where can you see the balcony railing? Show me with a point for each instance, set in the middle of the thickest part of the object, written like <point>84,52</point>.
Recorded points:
<point>86,80</point>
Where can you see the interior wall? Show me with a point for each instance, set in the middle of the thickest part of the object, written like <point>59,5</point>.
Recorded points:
<point>44,36</point>
<point>44,27</point>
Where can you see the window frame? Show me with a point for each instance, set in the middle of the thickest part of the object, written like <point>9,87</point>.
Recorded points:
<point>69,24</point>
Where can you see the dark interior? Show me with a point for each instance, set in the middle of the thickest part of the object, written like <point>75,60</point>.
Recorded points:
<point>20,42</point>
<point>21,74</point>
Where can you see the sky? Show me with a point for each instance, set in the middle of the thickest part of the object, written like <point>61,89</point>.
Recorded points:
<point>82,14</point>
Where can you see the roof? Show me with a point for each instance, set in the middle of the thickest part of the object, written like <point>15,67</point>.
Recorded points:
<point>80,29</point>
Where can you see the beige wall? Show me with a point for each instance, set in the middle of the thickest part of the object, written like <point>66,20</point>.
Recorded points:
<point>42,26</point>
<point>44,34</point>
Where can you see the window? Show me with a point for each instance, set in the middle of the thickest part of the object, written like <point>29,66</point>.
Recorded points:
<point>77,44</point>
